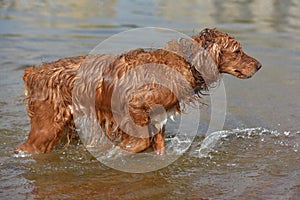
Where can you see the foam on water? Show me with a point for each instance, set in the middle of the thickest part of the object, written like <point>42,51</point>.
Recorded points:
<point>21,154</point>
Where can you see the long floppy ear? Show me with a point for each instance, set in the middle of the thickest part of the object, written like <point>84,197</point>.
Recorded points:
<point>214,51</point>
<point>208,59</point>
<point>206,63</point>
<point>207,39</point>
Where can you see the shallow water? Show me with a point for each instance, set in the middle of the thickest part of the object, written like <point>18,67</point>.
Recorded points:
<point>255,155</point>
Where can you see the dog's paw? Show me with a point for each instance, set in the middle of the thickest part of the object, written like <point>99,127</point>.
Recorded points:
<point>160,152</point>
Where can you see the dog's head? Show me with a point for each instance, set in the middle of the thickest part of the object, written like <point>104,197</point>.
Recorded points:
<point>227,53</point>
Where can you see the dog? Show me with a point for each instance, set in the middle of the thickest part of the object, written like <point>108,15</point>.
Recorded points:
<point>53,90</point>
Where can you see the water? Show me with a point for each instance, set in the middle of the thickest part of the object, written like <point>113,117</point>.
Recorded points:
<point>256,156</point>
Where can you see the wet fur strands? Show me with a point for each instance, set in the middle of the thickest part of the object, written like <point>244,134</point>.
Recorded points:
<point>57,91</point>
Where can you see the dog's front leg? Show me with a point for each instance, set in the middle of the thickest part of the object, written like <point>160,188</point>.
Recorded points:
<point>158,139</point>
<point>134,144</point>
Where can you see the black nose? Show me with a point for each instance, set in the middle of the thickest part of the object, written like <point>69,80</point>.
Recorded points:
<point>258,66</point>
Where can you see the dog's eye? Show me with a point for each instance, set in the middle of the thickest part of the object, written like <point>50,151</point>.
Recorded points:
<point>237,51</point>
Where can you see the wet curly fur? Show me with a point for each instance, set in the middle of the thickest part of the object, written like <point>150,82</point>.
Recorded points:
<point>54,90</point>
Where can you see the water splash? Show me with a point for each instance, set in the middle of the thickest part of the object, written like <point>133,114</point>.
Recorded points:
<point>210,141</point>
<point>21,154</point>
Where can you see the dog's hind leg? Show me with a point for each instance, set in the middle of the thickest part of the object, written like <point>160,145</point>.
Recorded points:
<point>45,133</point>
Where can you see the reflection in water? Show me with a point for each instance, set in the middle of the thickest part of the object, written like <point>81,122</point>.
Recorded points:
<point>56,13</point>
<point>270,15</point>
<point>241,163</point>
<point>79,9</point>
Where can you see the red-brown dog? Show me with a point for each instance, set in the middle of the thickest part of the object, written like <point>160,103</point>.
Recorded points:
<point>49,90</point>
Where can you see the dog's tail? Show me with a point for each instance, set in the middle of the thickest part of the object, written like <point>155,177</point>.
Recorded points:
<point>27,75</point>
<point>27,72</point>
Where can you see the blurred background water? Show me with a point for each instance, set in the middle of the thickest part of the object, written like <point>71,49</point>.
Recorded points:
<point>256,157</point>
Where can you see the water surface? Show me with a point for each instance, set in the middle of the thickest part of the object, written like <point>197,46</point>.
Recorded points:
<point>255,155</point>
